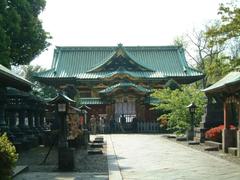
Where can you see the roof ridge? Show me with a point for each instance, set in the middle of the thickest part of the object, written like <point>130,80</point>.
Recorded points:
<point>114,47</point>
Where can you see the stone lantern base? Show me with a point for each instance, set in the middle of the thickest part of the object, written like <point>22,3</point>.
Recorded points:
<point>66,159</point>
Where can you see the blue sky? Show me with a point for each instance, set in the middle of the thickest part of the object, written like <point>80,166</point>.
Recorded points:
<point>130,22</point>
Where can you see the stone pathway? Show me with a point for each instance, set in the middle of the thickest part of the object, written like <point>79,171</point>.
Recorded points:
<point>60,176</point>
<point>87,167</point>
<point>154,157</point>
<point>149,157</point>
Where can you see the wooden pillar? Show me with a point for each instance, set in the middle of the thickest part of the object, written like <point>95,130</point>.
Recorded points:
<point>238,132</point>
<point>225,115</point>
<point>227,134</point>
<point>225,130</point>
<point>238,107</point>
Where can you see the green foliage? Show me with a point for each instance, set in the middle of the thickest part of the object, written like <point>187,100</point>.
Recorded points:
<point>225,33</point>
<point>176,101</point>
<point>216,69</point>
<point>22,37</point>
<point>39,89</point>
<point>8,158</point>
<point>229,25</point>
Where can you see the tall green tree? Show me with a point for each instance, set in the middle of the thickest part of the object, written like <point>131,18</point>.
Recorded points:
<point>39,89</point>
<point>22,36</point>
<point>229,26</point>
<point>175,102</point>
<point>199,53</point>
<point>227,32</point>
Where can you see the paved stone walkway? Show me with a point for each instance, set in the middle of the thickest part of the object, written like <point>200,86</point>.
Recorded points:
<point>145,157</point>
<point>154,157</point>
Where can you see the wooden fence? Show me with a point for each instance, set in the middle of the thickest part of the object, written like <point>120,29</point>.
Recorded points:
<point>148,127</point>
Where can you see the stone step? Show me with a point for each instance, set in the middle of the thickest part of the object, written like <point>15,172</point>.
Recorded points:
<point>211,148</point>
<point>213,144</point>
<point>99,138</point>
<point>233,151</point>
<point>98,141</point>
<point>93,151</point>
<point>96,145</point>
<point>18,169</point>
<point>193,143</point>
<point>181,138</point>
<point>171,136</point>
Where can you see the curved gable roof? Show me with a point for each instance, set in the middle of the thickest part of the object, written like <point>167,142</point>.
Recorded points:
<point>84,62</point>
<point>122,58</point>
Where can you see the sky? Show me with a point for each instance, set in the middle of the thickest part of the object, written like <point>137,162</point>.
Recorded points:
<point>130,22</point>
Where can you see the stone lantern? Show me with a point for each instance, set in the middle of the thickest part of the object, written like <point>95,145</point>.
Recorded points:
<point>65,154</point>
<point>192,109</point>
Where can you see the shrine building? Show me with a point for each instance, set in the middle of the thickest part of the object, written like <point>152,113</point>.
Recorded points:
<point>117,80</point>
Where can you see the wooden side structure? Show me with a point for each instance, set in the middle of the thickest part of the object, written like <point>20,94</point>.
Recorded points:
<point>22,115</point>
<point>228,88</point>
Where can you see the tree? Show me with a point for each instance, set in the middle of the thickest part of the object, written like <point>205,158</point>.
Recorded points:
<point>227,32</point>
<point>229,24</point>
<point>174,103</point>
<point>22,37</point>
<point>39,89</point>
<point>213,61</point>
<point>199,53</point>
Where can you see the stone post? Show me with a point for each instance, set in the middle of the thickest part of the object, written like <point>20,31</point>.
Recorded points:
<point>30,120</point>
<point>22,123</point>
<point>12,120</point>
<point>41,120</point>
<point>238,132</point>
<point>36,120</point>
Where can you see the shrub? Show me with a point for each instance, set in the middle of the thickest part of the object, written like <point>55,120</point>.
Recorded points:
<point>215,134</point>
<point>174,103</point>
<point>8,157</point>
<point>163,120</point>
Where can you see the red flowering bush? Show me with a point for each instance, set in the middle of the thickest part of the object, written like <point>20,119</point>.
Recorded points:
<point>215,134</point>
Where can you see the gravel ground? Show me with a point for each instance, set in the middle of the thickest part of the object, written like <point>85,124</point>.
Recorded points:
<point>200,147</point>
<point>83,162</point>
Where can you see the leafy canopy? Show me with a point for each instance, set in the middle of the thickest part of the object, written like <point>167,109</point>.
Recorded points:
<point>22,37</point>
<point>229,25</point>
<point>175,102</point>
<point>39,89</point>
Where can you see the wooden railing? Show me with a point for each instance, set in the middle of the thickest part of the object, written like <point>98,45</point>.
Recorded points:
<point>148,127</point>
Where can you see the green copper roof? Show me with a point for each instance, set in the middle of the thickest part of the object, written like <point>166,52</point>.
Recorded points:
<point>91,62</point>
<point>92,101</point>
<point>120,58</point>
<point>8,78</point>
<point>229,80</point>
<point>125,85</point>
